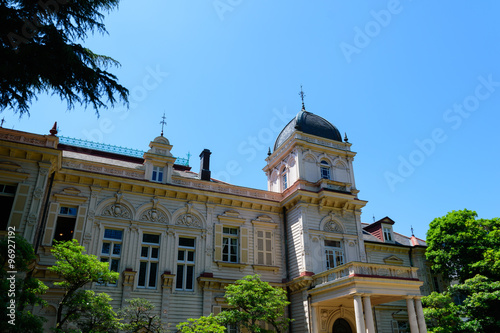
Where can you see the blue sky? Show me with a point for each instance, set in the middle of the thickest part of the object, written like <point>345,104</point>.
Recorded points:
<point>415,84</point>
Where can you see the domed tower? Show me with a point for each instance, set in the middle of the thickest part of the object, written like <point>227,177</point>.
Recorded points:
<point>312,167</point>
<point>309,154</point>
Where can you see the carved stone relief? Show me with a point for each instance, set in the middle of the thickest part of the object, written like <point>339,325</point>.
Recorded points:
<point>117,210</point>
<point>332,226</point>
<point>153,215</point>
<point>188,220</point>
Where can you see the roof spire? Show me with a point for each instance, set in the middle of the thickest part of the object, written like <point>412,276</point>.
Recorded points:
<point>345,137</point>
<point>163,123</point>
<point>302,95</point>
<point>3,121</point>
<point>54,131</point>
<point>413,235</point>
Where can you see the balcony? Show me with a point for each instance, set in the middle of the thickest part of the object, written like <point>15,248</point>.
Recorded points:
<point>363,269</point>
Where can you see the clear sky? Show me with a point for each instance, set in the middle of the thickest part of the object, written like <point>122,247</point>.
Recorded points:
<point>415,84</point>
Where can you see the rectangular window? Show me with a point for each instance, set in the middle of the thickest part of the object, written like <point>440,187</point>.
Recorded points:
<point>7,194</point>
<point>65,225</point>
<point>230,244</point>
<point>111,249</point>
<point>157,174</point>
<point>334,254</point>
<point>264,247</point>
<point>285,181</point>
<point>387,234</point>
<point>148,267</point>
<point>325,172</point>
<point>185,264</point>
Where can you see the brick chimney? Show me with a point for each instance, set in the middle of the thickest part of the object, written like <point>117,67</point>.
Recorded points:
<point>205,165</point>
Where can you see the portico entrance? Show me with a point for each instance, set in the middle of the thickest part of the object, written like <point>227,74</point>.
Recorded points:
<point>341,326</point>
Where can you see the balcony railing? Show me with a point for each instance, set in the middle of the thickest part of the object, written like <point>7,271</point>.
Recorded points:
<point>364,269</point>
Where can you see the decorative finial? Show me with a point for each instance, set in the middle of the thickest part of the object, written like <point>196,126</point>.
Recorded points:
<point>373,217</point>
<point>269,152</point>
<point>163,123</point>
<point>345,137</point>
<point>412,234</point>
<point>302,95</point>
<point>3,121</point>
<point>53,131</point>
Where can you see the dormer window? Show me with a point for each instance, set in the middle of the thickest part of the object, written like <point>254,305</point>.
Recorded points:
<point>284,180</point>
<point>157,175</point>
<point>387,234</point>
<point>325,170</point>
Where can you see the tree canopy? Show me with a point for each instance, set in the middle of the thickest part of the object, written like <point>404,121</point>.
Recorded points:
<point>464,249</point>
<point>16,254</point>
<point>465,308</point>
<point>40,52</point>
<point>138,316</point>
<point>76,268</point>
<point>461,246</point>
<point>206,324</point>
<point>254,302</point>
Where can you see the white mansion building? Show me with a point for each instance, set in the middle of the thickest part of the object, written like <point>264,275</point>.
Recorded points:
<point>177,238</point>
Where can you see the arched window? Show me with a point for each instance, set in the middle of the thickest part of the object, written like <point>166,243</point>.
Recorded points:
<point>325,169</point>
<point>284,179</point>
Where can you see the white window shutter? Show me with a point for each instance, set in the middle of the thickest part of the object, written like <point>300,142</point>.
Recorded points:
<point>80,221</point>
<point>18,207</point>
<point>51,223</point>
<point>244,245</point>
<point>218,243</point>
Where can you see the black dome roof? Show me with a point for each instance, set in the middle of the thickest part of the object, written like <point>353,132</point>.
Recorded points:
<point>309,123</point>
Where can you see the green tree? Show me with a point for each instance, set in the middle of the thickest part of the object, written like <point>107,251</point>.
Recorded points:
<point>254,302</point>
<point>466,249</point>
<point>461,246</point>
<point>40,52</point>
<point>139,316</point>
<point>465,308</point>
<point>76,270</point>
<point>16,254</point>
<point>208,324</point>
<point>93,312</point>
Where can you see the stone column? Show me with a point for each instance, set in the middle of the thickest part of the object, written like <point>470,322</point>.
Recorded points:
<point>315,318</point>
<point>360,318</point>
<point>412,317</point>
<point>422,327</point>
<point>370,326</point>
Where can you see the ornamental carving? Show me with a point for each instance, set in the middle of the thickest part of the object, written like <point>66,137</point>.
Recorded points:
<point>332,226</point>
<point>189,220</point>
<point>153,215</point>
<point>117,210</point>
<point>37,194</point>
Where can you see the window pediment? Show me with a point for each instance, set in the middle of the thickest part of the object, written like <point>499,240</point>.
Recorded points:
<point>393,260</point>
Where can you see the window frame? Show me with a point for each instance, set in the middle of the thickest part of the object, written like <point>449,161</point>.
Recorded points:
<point>325,166</point>
<point>157,174</point>
<point>284,179</point>
<point>111,255</point>
<point>149,260</point>
<point>229,237</point>
<point>334,255</point>
<point>7,196</point>
<point>70,214</point>
<point>387,231</point>
<point>185,263</point>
